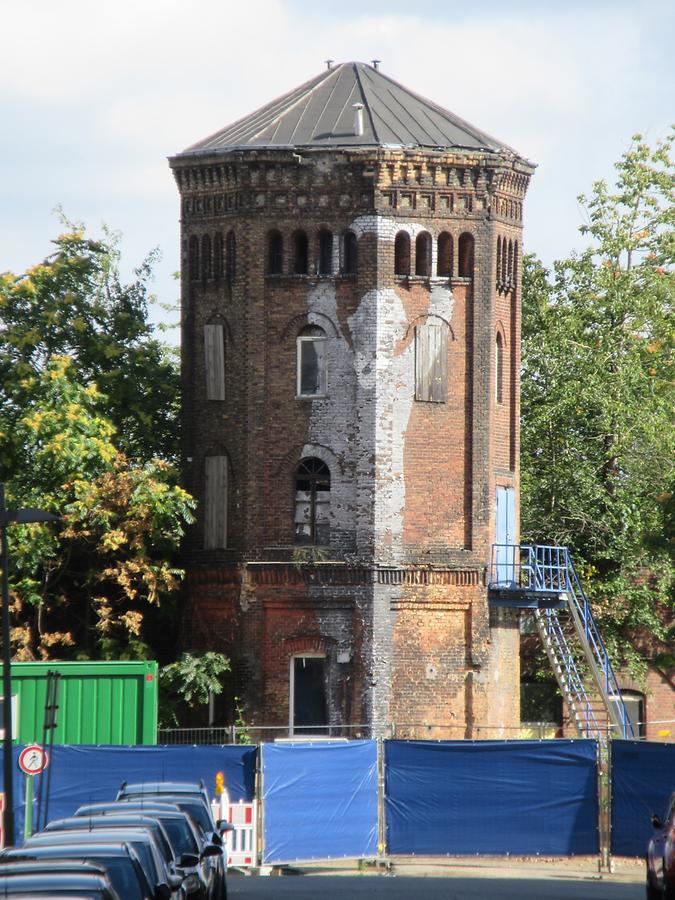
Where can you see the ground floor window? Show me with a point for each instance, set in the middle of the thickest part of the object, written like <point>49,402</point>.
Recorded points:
<point>308,702</point>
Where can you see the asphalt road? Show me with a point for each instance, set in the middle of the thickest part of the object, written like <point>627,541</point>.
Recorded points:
<point>331,887</point>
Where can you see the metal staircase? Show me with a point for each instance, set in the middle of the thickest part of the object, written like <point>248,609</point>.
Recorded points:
<point>543,578</point>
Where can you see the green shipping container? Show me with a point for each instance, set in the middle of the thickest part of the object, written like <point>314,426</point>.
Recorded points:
<point>98,702</point>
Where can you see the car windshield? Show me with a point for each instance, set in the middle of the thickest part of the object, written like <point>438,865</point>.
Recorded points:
<point>197,811</point>
<point>181,836</point>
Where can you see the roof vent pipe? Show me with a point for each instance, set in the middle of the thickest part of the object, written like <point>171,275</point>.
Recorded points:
<point>358,118</point>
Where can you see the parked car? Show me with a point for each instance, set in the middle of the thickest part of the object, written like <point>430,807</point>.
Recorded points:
<point>188,841</point>
<point>139,838</point>
<point>192,798</point>
<point>661,856</point>
<point>120,861</point>
<point>55,878</point>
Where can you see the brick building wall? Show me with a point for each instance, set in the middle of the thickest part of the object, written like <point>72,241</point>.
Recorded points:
<point>396,601</point>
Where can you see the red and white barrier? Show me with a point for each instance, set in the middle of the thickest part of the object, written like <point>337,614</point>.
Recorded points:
<point>240,843</point>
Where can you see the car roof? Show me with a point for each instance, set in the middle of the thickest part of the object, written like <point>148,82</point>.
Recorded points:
<point>162,787</point>
<point>68,836</point>
<point>56,867</point>
<point>127,805</point>
<point>116,848</point>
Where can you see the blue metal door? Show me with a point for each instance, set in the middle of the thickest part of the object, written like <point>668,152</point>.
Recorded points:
<point>505,530</point>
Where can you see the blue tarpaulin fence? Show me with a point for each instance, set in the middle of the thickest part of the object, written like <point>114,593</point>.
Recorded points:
<point>319,801</point>
<point>81,774</point>
<point>520,797</point>
<point>643,778</point>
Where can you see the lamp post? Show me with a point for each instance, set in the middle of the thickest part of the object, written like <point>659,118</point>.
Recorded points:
<point>21,516</point>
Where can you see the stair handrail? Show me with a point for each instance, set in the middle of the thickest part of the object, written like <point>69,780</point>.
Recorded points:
<point>594,638</point>
<point>576,681</point>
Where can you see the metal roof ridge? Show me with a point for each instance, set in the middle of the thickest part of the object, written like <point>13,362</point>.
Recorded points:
<point>365,99</point>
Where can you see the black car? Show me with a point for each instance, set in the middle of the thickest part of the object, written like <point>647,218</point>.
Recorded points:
<point>56,878</point>
<point>140,839</point>
<point>189,844</point>
<point>192,798</point>
<point>120,861</point>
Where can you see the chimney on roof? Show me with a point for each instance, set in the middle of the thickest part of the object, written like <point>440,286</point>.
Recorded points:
<point>376,63</point>
<point>358,118</point>
<point>329,64</point>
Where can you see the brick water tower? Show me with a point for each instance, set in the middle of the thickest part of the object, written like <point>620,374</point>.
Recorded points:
<point>350,388</point>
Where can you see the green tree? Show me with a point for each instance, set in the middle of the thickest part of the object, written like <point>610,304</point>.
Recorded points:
<point>75,304</point>
<point>187,685</point>
<point>87,587</point>
<point>597,401</point>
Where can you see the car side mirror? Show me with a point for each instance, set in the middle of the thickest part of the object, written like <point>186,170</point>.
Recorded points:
<point>223,825</point>
<point>163,892</point>
<point>175,882</point>
<point>188,861</point>
<point>211,850</point>
<point>657,821</point>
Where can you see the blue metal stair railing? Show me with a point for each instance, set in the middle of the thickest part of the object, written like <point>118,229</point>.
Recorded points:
<point>568,675</point>
<point>549,570</point>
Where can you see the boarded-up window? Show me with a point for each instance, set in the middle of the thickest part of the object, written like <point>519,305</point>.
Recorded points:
<point>215,502</point>
<point>214,360</point>
<point>311,362</point>
<point>431,363</point>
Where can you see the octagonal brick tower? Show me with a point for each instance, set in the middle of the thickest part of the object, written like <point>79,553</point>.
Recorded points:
<point>350,387</point>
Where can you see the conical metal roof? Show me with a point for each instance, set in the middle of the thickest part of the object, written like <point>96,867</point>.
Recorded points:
<point>320,113</point>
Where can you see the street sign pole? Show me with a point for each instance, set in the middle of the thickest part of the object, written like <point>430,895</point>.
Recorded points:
<point>28,816</point>
<point>7,768</point>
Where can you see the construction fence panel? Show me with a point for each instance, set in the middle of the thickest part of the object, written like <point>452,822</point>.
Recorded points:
<point>460,798</point>
<point>84,774</point>
<point>319,801</point>
<point>643,778</point>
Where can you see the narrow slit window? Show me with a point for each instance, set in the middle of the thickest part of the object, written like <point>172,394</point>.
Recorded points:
<point>218,256</point>
<point>444,258</point>
<point>465,255</point>
<point>325,253</point>
<point>402,253</point>
<point>349,253</point>
<point>193,258</point>
<point>499,370</point>
<point>230,256</point>
<point>275,253</point>
<point>423,254</point>
<point>300,253</point>
<point>215,502</point>
<point>207,261</point>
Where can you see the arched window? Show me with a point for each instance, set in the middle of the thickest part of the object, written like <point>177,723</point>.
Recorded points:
<point>505,265</point>
<point>349,253</point>
<point>423,254</point>
<point>311,362</point>
<point>444,259</point>
<point>510,281</point>
<point>300,253</point>
<point>218,256</point>
<point>499,369</point>
<point>275,253</point>
<point>312,502</point>
<point>515,263</point>
<point>206,258</point>
<point>193,259</point>
<point>325,253</point>
<point>402,253</point>
<point>465,255</point>
<point>230,256</point>
<point>498,273</point>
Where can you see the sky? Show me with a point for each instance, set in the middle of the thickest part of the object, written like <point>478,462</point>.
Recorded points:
<point>95,96</point>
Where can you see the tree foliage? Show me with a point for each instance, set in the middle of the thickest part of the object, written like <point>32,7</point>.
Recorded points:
<point>597,401</point>
<point>89,587</point>
<point>189,683</point>
<point>74,304</point>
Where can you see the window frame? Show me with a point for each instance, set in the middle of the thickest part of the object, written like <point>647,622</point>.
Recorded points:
<point>316,729</point>
<point>314,477</point>
<point>299,341</point>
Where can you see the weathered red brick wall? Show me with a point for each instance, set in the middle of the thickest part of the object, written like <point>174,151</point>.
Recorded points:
<point>399,596</point>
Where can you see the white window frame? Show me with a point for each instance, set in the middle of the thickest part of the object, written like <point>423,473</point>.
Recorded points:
<point>15,718</point>
<point>291,693</point>
<point>298,365</point>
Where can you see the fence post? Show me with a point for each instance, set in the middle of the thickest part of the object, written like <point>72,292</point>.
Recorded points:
<point>259,838</point>
<point>381,826</point>
<point>604,754</point>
